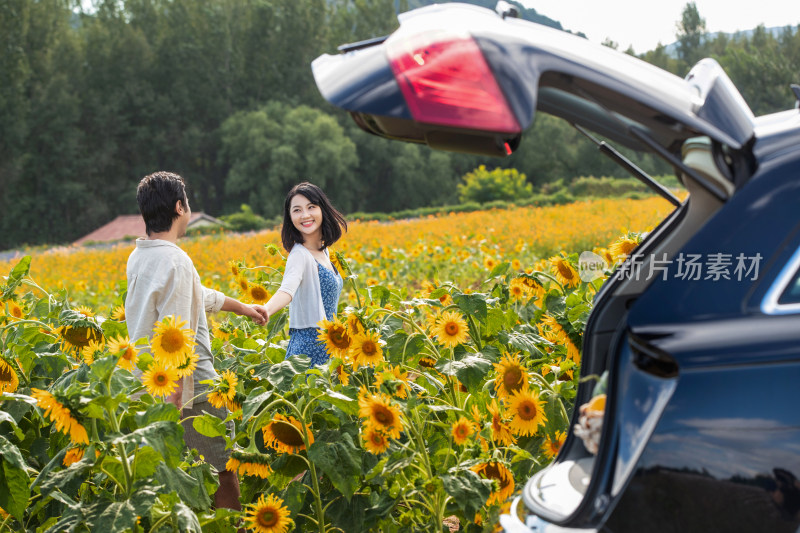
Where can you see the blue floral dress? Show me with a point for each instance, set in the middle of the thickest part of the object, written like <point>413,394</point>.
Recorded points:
<point>304,341</point>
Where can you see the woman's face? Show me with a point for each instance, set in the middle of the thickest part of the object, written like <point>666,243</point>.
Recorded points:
<point>306,216</point>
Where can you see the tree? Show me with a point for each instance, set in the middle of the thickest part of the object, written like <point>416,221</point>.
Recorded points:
<point>273,148</point>
<point>690,35</point>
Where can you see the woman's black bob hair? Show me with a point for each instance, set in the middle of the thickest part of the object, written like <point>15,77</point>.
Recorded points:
<point>333,221</point>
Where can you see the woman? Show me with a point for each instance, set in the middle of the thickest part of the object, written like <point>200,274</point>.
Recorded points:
<point>311,285</point>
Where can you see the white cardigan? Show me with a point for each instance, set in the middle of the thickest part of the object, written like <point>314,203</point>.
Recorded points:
<point>301,282</point>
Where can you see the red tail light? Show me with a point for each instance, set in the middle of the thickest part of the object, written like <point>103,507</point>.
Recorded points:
<point>446,80</point>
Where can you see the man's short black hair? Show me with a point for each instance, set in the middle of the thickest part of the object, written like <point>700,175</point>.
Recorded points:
<point>157,194</point>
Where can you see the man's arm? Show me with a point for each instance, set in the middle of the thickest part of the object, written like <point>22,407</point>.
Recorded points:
<point>256,312</point>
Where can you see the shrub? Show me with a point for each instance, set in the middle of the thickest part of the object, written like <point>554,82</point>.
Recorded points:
<point>245,220</point>
<point>483,185</point>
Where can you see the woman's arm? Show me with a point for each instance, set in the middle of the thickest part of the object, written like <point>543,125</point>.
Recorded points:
<point>278,301</point>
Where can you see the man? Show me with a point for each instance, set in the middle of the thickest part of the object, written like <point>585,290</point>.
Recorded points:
<point>162,282</point>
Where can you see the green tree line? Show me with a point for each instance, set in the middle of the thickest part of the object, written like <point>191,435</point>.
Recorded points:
<point>93,98</point>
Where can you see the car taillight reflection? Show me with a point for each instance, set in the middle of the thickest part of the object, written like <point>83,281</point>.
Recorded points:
<point>445,80</point>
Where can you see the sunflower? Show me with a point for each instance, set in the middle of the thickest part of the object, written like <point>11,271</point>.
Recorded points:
<point>189,365</point>
<point>249,464</point>
<point>489,263</point>
<point>527,412</point>
<point>564,271</point>
<point>451,329</point>
<point>366,349</point>
<point>395,380</point>
<point>244,284</point>
<point>78,337</point>
<point>128,354</point>
<point>61,415</point>
<point>334,335</point>
<point>227,384</point>
<point>556,334</point>
<point>258,294</point>
<point>286,434</point>
<point>432,321</point>
<point>9,381</point>
<point>118,313</point>
<point>379,413</point>
<point>518,289</point>
<point>551,445</point>
<point>502,475</point>
<point>268,515</point>
<point>171,342</point>
<point>516,265</point>
<point>461,430</point>
<point>622,248</point>
<point>217,399</point>
<point>501,431</point>
<point>85,310</point>
<point>427,362</point>
<point>234,267</point>
<point>605,254</point>
<point>354,325</point>
<point>375,440</point>
<point>15,310</point>
<point>73,455</point>
<point>93,351</point>
<point>341,373</point>
<point>160,380</point>
<point>511,376</point>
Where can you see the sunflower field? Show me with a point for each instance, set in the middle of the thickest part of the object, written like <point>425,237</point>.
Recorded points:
<point>455,362</point>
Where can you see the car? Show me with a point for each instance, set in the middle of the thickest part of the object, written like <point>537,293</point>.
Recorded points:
<point>697,334</point>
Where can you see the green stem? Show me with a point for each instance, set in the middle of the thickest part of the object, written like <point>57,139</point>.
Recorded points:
<point>314,478</point>
<point>160,521</point>
<point>408,320</point>
<point>550,389</point>
<point>475,332</point>
<point>554,280</point>
<point>355,288</point>
<point>123,455</point>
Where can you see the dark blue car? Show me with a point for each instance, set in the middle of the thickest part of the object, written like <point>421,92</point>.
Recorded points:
<point>698,332</point>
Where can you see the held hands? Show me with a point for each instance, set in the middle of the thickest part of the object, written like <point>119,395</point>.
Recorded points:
<point>258,313</point>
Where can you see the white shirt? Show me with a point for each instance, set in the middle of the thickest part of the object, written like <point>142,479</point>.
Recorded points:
<point>301,282</point>
<point>162,281</point>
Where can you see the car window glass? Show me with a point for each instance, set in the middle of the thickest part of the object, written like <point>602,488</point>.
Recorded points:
<point>792,293</point>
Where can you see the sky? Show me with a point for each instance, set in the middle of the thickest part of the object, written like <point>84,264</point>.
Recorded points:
<point>643,24</point>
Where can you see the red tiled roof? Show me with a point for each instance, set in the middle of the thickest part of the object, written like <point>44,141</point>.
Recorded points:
<point>130,227</point>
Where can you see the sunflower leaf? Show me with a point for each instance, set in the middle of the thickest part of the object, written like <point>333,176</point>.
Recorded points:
<point>111,517</point>
<point>340,460</point>
<point>159,411</point>
<point>281,375</point>
<point>187,520</point>
<point>380,292</point>
<point>472,304</point>
<point>19,271</point>
<point>209,425</point>
<point>468,490</point>
<point>254,401</point>
<point>165,437</point>
<point>14,498</point>
<point>342,401</point>
<point>190,488</point>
